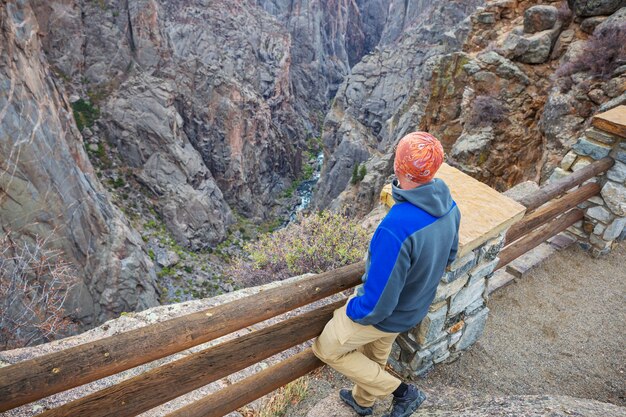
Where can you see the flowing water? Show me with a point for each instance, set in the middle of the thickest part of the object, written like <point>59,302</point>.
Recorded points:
<point>305,189</point>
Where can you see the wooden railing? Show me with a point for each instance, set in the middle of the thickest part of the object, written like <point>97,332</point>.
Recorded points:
<point>43,376</point>
<point>547,215</point>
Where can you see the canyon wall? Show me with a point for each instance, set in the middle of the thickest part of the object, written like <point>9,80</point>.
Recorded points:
<point>48,189</point>
<point>508,102</point>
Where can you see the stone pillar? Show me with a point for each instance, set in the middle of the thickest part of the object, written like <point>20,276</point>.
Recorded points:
<point>605,215</point>
<point>458,314</point>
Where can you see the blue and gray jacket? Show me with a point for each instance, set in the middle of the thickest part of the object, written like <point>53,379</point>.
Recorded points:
<point>407,257</point>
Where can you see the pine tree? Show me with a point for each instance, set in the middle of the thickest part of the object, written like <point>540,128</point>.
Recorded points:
<point>362,172</point>
<point>355,174</point>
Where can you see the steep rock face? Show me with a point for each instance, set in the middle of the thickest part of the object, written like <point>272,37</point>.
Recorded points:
<point>328,37</point>
<point>47,186</point>
<point>504,120</point>
<point>223,67</point>
<point>381,100</point>
<point>145,126</point>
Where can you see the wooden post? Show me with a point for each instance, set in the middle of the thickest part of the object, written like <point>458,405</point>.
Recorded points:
<point>46,375</point>
<point>243,392</point>
<point>535,238</point>
<point>160,385</point>
<point>551,210</point>
<point>556,188</point>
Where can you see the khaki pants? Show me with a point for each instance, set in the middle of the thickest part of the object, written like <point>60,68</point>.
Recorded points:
<point>360,353</point>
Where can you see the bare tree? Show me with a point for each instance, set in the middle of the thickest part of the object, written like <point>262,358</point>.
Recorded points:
<point>34,283</point>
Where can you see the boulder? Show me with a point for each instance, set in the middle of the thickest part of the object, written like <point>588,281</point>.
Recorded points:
<point>589,24</point>
<point>539,18</point>
<point>586,8</point>
<point>532,48</point>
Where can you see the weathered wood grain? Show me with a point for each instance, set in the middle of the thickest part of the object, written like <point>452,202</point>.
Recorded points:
<point>46,375</point>
<point>160,385</point>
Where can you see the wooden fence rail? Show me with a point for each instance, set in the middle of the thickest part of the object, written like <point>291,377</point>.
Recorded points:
<point>40,377</point>
<point>557,188</point>
<point>160,385</point>
<point>49,374</point>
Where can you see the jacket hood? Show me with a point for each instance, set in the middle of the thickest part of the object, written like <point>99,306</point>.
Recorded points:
<point>433,197</point>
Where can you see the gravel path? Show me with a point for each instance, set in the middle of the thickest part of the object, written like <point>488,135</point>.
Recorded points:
<point>558,331</point>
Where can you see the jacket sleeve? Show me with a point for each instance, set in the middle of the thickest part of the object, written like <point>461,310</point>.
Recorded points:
<point>455,248</point>
<point>386,275</point>
<point>455,243</point>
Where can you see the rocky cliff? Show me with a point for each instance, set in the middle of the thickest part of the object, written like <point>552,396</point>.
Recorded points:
<point>385,97</point>
<point>507,106</point>
<point>47,185</point>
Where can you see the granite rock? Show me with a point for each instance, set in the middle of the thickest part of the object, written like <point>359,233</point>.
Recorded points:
<point>539,18</point>
<point>585,8</point>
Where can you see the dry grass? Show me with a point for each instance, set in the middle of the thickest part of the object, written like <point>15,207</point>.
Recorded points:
<point>277,403</point>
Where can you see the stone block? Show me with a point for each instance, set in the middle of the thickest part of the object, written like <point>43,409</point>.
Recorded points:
<point>431,327</point>
<point>586,8</point>
<point>598,229</point>
<point>600,214</point>
<point>561,241</point>
<point>591,148</point>
<point>568,160</point>
<point>519,267</point>
<point>459,263</point>
<point>437,306</point>
<point>615,229</point>
<point>596,253</point>
<point>601,136</point>
<point>499,279</point>
<point>557,174</point>
<point>597,200</point>
<point>456,327</point>
<point>421,359</point>
<point>486,213</point>
<point>538,18</point>
<point>455,337</point>
<point>406,344</point>
<point>439,349</point>
<point>441,358</point>
<point>475,306</point>
<point>482,270</point>
<point>578,232</point>
<point>581,162</point>
<point>461,268</point>
<point>395,351</point>
<point>466,296</point>
<point>619,155</point>
<point>598,243</point>
<point>446,290</point>
<point>614,195</point>
<point>490,250</point>
<point>617,172</point>
<point>474,326</point>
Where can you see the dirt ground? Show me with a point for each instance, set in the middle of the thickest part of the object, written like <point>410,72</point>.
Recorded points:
<point>558,331</point>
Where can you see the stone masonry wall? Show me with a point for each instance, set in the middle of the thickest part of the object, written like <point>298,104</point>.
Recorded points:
<point>457,316</point>
<point>605,215</point>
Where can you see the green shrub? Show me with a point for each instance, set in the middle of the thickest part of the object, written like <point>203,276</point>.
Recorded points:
<point>355,174</point>
<point>85,114</point>
<point>317,243</point>
<point>362,172</point>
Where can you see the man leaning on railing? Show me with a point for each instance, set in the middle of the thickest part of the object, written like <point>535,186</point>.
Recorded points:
<point>407,257</point>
